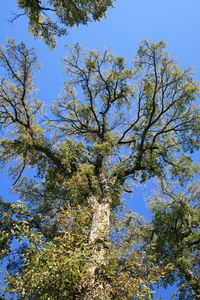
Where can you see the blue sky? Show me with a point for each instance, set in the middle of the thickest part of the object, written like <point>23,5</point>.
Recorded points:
<point>177,22</point>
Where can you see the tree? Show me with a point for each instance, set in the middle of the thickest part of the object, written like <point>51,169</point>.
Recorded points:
<point>175,237</point>
<point>42,15</point>
<point>113,125</point>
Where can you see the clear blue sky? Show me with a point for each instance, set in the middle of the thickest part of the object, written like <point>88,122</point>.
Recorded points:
<point>177,22</point>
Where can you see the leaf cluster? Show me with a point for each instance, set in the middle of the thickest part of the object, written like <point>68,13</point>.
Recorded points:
<point>51,18</point>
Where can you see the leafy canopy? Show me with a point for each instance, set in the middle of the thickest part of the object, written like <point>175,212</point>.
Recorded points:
<point>51,18</point>
<point>57,269</point>
<point>175,236</point>
<point>112,125</point>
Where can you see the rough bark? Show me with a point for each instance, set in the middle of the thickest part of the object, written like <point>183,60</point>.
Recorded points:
<point>100,221</point>
<point>99,236</point>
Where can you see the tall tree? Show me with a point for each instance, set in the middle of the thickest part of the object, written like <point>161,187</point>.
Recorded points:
<point>51,18</point>
<point>112,125</point>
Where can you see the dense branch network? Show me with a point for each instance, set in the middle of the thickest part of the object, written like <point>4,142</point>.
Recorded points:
<point>145,112</point>
<point>112,125</point>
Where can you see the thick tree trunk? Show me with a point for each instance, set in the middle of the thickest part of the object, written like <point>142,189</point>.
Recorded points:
<point>98,239</point>
<point>100,221</point>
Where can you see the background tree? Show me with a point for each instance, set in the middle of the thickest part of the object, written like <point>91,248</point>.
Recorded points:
<point>175,238</point>
<point>42,15</point>
<point>111,126</point>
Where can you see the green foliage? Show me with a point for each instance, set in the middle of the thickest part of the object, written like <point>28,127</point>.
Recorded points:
<point>52,18</point>
<point>54,269</point>
<point>176,238</point>
<point>5,228</point>
<point>57,269</point>
<point>113,125</point>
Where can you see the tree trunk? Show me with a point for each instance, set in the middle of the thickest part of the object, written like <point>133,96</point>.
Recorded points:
<point>100,221</point>
<point>98,239</point>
